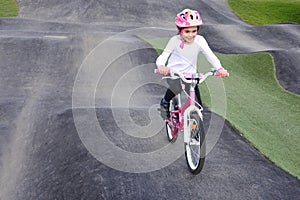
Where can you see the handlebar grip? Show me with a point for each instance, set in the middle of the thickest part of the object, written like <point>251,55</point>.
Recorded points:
<point>217,74</point>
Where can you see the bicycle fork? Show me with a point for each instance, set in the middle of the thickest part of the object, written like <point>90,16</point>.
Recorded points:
<point>188,108</point>
<point>187,125</point>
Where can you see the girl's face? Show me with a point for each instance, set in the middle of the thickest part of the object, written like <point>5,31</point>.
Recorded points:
<point>188,34</point>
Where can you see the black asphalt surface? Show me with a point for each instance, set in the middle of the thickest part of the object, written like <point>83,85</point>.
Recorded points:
<point>78,116</point>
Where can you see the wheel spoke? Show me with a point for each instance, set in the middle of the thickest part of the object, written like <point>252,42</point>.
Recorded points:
<point>195,149</point>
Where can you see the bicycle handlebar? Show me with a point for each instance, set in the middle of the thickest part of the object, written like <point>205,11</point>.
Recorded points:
<point>184,76</point>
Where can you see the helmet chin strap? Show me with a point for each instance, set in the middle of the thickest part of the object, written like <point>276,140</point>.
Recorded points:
<point>181,44</point>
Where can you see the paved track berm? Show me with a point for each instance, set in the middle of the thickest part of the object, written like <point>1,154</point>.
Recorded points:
<point>42,51</point>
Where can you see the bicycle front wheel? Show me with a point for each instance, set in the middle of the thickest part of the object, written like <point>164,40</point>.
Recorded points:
<point>195,150</point>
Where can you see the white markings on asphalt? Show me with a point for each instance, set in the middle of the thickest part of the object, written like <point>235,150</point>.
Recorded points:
<point>56,37</point>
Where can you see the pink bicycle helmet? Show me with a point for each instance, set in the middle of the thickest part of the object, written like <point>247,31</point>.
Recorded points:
<point>188,18</point>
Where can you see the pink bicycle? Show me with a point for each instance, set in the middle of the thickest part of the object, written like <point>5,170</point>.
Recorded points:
<point>189,119</point>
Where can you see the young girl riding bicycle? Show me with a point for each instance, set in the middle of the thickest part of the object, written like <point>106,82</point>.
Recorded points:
<point>181,54</point>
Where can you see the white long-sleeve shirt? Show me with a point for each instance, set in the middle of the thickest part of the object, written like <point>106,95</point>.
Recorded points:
<point>185,59</point>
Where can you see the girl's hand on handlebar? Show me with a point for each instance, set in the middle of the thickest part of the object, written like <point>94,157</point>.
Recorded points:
<point>222,73</point>
<point>163,70</point>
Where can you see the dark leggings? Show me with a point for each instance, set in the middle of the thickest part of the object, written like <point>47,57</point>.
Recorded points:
<point>175,88</point>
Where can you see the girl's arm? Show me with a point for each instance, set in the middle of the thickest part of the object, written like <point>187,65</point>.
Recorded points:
<point>211,57</point>
<point>163,58</point>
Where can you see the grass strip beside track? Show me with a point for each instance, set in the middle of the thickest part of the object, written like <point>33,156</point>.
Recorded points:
<point>260,12</point>
<point>257,106</point>
<point>8,8</point>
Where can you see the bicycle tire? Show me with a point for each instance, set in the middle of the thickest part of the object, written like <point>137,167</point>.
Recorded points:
<point>195,150</point>
<point>172,131</point>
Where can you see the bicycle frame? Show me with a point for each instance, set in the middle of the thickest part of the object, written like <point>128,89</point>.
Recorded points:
<point>187,108</point>
<point>189,105</point>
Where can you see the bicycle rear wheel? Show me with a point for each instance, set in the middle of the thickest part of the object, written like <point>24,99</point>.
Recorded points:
<point>172,132</point>
<point>195,150</point>
<point>171,124</point>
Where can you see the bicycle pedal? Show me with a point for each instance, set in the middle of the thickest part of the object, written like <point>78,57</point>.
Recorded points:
<point>193,126</point>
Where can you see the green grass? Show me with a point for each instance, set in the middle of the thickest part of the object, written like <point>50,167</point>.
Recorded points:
<point>257,106</point>
<point>8,8</point>
<point>261,12</point>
